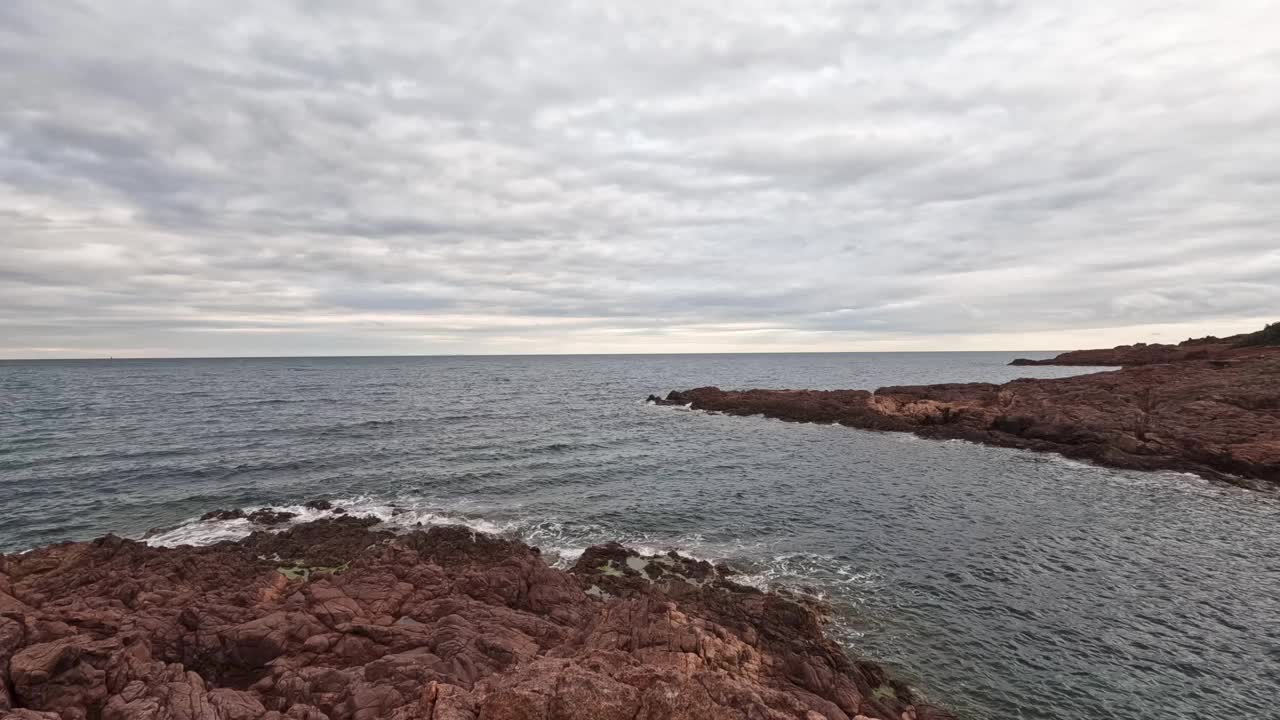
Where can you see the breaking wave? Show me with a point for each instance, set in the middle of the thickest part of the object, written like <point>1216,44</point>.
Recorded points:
<point>757,565</point>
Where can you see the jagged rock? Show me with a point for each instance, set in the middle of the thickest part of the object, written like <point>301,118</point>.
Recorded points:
<point>264,516</point>
<point>446,624</point>
<point>1217,417</point>
<point>267,516</point>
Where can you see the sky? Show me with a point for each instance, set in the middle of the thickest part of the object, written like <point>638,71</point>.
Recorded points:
<point>324,177</point>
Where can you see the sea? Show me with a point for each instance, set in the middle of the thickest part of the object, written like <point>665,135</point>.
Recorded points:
<point>1001,583</point>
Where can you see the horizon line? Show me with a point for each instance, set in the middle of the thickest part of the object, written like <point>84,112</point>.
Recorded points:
<point>510,355</point>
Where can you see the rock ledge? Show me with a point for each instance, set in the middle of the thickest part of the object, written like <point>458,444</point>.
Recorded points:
<point>1216,415</point>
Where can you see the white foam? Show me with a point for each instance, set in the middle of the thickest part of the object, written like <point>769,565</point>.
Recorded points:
<point>759,565</point>
<point>688,407</point>
<point>1072,463</point>
<point>395,515</point>
<point>202,532</point>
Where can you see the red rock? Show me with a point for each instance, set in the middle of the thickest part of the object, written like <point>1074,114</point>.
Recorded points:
<point>1205,348</point>
<point>67,676</point>
<point>1217,417</point>
<point>445,624</point>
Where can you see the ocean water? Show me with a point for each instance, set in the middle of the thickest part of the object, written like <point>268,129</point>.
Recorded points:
<point>1004,584</point>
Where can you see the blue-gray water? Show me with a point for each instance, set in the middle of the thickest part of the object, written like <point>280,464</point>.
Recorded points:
<point>1006,584</point>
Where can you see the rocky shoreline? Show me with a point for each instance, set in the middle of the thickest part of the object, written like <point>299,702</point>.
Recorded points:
<point>1209,407</point>
<point>339,619</point>
<point>1205,348</point>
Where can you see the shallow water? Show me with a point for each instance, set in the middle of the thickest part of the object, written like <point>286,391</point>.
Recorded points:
<point>1005,584</point>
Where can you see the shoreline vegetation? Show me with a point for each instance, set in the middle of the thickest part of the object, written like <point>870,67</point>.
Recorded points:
<point>340,619</point>
<point>1208,406</point>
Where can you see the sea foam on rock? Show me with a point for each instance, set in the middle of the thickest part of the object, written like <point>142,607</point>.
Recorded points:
<point>340,619</point>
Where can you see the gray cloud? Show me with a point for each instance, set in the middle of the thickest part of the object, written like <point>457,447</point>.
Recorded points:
<point>503,176</point>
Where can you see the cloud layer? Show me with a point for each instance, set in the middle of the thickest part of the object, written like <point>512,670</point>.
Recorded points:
<point>245,178</point>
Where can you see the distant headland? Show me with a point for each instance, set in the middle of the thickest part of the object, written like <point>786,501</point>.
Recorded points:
<point>1209,406</point>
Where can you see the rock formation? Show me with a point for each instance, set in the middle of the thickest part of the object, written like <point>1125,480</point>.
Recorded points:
<point>1153,354</point>
<point>1217,415</point>
<point>338,619</point>
<point>264,516</point>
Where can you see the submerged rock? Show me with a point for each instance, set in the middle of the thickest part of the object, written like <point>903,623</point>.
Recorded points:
<point>236,514</point>
<point>337,619</point>
<point>267,516</point>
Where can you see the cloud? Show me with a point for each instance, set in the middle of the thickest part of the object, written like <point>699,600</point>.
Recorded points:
<point>503,176</point>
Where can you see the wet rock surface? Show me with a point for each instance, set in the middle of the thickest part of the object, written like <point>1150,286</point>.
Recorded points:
<point>443,623</point>
<point>1217,416</point>
<point>264,516</point>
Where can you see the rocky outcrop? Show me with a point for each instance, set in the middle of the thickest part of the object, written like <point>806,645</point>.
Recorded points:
<point>265,516</point>
<point>1218,417</point>
<point>1130,355</point>
<point>1205,348</point>
<point>337,619</point>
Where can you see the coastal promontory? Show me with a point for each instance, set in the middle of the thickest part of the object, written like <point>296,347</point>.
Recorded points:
<point>1208,406</point>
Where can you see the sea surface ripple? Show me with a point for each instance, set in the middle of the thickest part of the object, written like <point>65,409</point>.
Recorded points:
<point>1005,584</point>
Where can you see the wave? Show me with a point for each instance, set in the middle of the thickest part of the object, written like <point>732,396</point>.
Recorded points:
<point>561,541</point>
<point>757,564</point>
<point>688,407</point>
<point>1160,480</point>
<point>851,593</point>
<point>393,515</point>
<point>201,532</point>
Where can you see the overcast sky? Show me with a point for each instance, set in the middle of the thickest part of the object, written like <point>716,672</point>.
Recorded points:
<point>332,177</point>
